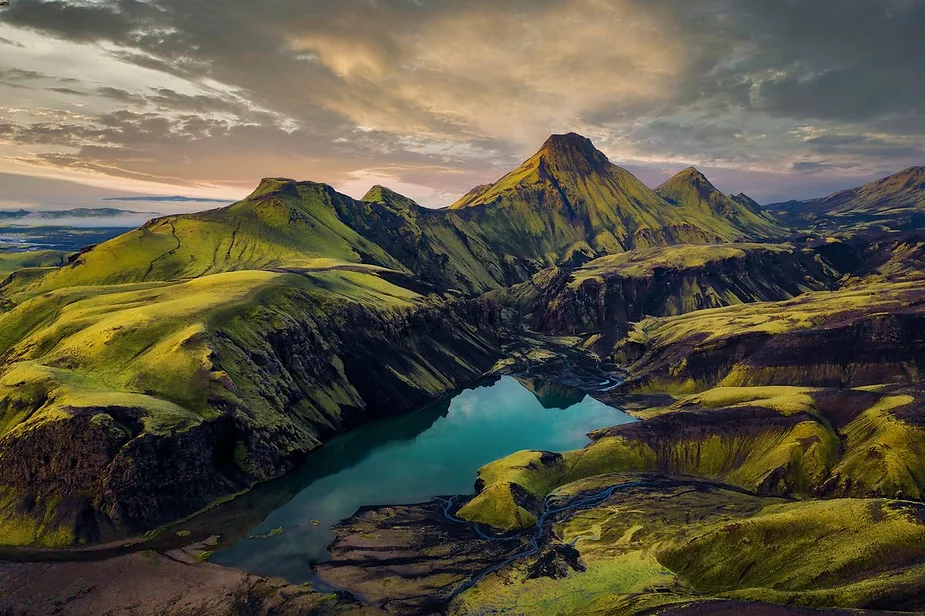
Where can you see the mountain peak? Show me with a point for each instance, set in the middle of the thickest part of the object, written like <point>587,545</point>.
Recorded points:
<point>685,182</point>
<point>747,202</point>
<point>571,149</point>
<point>386,196</point>
<point>693,177</point>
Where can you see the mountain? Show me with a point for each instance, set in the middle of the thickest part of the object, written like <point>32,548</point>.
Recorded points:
<point>282,224</point>
<point>569,199</point>
<point>102,212</point>
<point>691,190</point>
<point>747,202</point>
<point>566,204</point>
<point>894,203</point>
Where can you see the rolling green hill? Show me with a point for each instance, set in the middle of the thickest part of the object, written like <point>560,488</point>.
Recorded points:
<point>281,225</point>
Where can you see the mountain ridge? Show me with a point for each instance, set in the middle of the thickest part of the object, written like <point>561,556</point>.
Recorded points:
<point>691,188</point>
<point>567,204</point>
<point>892,203</point>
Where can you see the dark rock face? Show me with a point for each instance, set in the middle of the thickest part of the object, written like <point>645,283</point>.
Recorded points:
<point>608,301</point>
<point>556,562</point>
<point>852,350</point>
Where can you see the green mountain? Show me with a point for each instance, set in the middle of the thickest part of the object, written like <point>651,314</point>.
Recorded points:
<point>778,456</point>
<point>894,203</point>
<point>692,191</point>
<point>566,204</point>
<point>568,199</point>
<point>281,225</point>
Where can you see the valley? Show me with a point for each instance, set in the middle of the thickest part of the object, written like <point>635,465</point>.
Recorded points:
<point>566,393</point>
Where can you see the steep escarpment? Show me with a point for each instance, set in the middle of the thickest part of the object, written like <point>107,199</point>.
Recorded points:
<point>867,335</point>
<point>607,294</point>
<point>122,408</point>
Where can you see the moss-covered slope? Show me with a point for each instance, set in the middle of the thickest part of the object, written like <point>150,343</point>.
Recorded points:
<point>684,546</point>
<point>866,335</point>
<point>126,406</point>
<point>570,200</point>
<point>691,190</point>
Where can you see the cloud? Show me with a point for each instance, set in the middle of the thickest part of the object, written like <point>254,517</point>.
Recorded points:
<point>436,96</point>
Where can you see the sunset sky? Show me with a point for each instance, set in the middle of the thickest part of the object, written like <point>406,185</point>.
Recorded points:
<point>780,99</point>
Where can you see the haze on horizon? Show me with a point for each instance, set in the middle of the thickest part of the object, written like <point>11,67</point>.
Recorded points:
<point>204,97</point>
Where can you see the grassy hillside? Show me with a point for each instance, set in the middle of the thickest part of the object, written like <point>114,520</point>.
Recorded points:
<point>282,225</point>
<point>691,190</point>
<point>126,406</point>
<point>13,261</point>
<point>702,547</point>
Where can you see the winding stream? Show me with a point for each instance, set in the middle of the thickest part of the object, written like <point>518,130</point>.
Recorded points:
<point>536,534</point>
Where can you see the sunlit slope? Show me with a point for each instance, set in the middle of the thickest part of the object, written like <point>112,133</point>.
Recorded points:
<point>13,261</point>
<point>692,191</point>
<point>567,204</point>
<point>126,406</point>
<point>568,198</point>
<point>283,224</point>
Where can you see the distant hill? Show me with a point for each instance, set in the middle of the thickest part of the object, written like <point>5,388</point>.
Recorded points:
<point>103,212</point>
<point>171,199</point>
<point>691,190</point>
<point>894,203</point>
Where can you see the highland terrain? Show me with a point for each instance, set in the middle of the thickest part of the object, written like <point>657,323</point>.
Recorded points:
<point>773,356</point>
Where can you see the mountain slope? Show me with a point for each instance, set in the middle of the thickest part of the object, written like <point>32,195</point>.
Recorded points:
<point>283,224</point>
<point>607,294</point>
<point>569,198</point>
<point>566,205</point>
<point>893,203</point>
<point>691,190</point>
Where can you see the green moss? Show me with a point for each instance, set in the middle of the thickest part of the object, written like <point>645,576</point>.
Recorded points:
<point>14,261</point>
<point>39,526</point>
<point>497,506</point>
<point>816,545</point>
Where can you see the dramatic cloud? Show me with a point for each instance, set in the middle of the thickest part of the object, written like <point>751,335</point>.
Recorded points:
<point>780,99</point>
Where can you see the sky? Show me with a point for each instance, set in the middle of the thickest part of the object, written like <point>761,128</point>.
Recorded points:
<point>780,99</point>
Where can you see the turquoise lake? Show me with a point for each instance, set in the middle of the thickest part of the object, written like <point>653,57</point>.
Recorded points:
<point>412,458</point>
